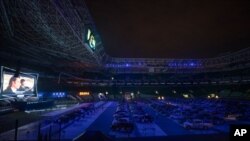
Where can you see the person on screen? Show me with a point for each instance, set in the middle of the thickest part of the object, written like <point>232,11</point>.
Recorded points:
<point>92,41</point>
<point>23,87</point>
<point>14,85</point>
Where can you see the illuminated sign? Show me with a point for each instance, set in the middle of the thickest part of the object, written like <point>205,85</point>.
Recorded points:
<point>84,93</point>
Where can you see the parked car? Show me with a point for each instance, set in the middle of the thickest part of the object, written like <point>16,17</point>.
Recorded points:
<point>218,120</point>
<point>176,116</point>
<point>197,124</point>
<point>121,115</point>
<point>145,118</point>
<point>122,124</point>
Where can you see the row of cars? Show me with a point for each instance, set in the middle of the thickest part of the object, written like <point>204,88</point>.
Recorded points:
<point>204,113</point>
<point>122,120</point>
<point>127,114</point>
<point>191,114</point>
<point>138,113</point>
<point>162,108</point>
<point>75,114</point>
<point>56,121</point>
<point>198,113</point>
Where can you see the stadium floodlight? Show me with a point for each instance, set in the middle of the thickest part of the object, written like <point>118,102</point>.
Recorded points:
<point>132,94</point>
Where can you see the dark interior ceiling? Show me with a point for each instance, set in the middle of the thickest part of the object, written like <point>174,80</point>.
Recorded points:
<point>171,28</point>
<point>35,36</point>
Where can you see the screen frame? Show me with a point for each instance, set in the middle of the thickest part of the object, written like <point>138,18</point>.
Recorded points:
<point>89,31</point>
<point>6,70</point>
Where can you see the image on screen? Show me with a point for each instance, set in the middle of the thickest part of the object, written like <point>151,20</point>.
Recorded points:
<point>21,85</point>
<point>90,39</point>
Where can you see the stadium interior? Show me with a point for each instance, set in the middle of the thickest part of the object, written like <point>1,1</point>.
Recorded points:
<point>61,79</point>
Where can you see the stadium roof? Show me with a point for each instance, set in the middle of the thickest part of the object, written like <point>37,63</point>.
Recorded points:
<point>49,35</point>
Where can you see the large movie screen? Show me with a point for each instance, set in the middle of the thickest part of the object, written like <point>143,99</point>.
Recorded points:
<point>18,85</point>
<point>90,39</point>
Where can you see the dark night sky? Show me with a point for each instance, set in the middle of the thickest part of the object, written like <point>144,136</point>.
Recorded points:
<point>171,28</point>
